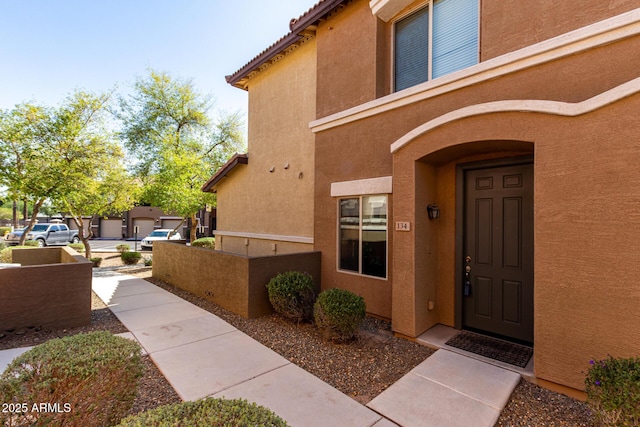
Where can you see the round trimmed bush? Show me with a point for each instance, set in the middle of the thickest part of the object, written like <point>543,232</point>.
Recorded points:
<point>130,258</point>
<point>92,376</point>
<point>339,314</point>
<point>205,242</point>
<point>32,243</point>
<point>96,261</point>
<point>206,413</point>
<point>292,295</point>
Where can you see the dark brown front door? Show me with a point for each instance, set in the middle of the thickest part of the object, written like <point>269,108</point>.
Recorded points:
<point>498,251</point>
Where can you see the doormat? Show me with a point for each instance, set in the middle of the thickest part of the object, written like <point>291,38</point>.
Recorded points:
<point>493,348</point>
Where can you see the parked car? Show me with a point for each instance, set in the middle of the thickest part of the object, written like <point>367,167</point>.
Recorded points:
<point>161,234</point>
<point>45,234</point>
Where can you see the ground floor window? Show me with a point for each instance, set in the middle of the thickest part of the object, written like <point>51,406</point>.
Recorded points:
<point>363,235</point>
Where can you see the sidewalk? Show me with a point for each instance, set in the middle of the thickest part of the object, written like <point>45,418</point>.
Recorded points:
<point>201,355</point>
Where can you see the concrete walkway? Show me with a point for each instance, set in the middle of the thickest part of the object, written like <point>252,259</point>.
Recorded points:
<point>201,355</point>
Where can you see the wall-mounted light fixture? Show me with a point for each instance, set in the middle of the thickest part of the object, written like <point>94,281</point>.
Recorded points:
<point>433,210</point>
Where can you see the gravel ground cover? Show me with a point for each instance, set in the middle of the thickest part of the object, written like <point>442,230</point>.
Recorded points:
<point>361,369</point>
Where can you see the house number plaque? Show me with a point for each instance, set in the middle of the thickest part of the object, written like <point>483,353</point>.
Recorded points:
<point>403,226</point>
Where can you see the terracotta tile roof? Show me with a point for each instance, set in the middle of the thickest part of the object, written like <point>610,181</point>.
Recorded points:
<point>297,26</point>
<point>237,159</point>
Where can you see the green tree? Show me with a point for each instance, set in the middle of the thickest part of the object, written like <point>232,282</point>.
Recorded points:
<point>64,155</point>
<point>110,190</point>
<point>177,146</point>
<point>24,167</point>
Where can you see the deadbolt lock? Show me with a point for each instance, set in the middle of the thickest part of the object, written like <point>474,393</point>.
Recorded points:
<point>467,259</point>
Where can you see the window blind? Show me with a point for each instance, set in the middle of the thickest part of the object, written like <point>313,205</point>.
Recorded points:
<point>411,50</point>
<point>455,35</point>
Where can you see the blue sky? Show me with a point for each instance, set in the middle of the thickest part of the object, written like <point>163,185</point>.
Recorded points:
<point>48,48</point>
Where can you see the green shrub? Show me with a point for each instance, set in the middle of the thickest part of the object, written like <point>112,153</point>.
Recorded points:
<point>4,231</point>
<point>32,243</point>
<point>148,261</point>
<point>93,377</point>
<point>205,242</point>
<point>339,314</point>
<point>5,254</point>
<point>123,248</point>
<point>206,413</point>
<point>96,261</point>
<point>613,391</point>
<point>78,247</point>
<point>130,258</point>
<point>292,295</point>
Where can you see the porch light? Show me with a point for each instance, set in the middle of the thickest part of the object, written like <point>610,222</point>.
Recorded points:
<point>433,210</point>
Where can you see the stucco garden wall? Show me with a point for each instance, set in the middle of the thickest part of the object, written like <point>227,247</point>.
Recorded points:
<point>234,282</point>
<point>52,289</point>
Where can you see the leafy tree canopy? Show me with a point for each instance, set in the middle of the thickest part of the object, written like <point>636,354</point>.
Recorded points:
<point>166,127</point>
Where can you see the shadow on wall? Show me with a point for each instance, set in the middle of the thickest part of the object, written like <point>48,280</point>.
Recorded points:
<point>234,282</point>
<point>52,289</point>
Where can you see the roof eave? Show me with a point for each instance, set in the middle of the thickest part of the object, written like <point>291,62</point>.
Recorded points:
<point>298,28</point>
<point>237,159</point>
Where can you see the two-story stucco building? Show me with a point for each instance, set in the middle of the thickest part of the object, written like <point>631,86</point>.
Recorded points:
<point>470,163</point>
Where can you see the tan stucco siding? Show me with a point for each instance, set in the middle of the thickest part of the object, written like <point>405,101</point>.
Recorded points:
<point>355,48</point>
<point>254,199</point>
<point>361,149</point>
<point>508,25</point>
<point>348,52</point>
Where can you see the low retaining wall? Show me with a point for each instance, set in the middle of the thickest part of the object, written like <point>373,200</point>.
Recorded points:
<point>234,282</point>
<point>52,289</point>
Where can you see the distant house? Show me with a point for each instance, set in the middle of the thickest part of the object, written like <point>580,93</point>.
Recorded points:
<point>147,219</point>
<point>458,162</point>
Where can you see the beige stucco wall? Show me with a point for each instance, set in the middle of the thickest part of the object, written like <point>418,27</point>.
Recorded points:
<point>581,164</point>
<point>254,200</point>
<point>586,231</point>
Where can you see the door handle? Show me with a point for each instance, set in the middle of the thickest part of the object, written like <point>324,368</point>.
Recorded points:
<point>466,289</point>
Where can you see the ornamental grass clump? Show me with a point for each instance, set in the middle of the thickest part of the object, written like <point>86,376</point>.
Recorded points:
<point>292,295</point>
<point>123,247</point>
<point>130,258</point>
<point>7,257</point>
<point>613,391</point>
<point>78,247</point>
<point>339,314</point>
<point>84,380</point>
<point>205,242</point>
<point>207,413</point>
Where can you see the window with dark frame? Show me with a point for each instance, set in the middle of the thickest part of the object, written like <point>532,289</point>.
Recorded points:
<point>363,235</point>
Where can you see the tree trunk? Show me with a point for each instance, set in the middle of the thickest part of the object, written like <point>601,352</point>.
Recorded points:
<point>14,214</point>
<point>194,228</point>
<point>34,215</point>
<point>85,239</point>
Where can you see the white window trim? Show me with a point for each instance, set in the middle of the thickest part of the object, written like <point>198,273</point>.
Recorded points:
<point>387,9</point>
<point>358,273</point>
<point>362,187</point>
<point>427,4</point>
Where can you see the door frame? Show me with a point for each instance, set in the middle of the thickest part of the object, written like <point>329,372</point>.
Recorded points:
<point>461,169</point>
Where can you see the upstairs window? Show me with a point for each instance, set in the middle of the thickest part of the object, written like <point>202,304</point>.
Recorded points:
<point>438,39</point>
